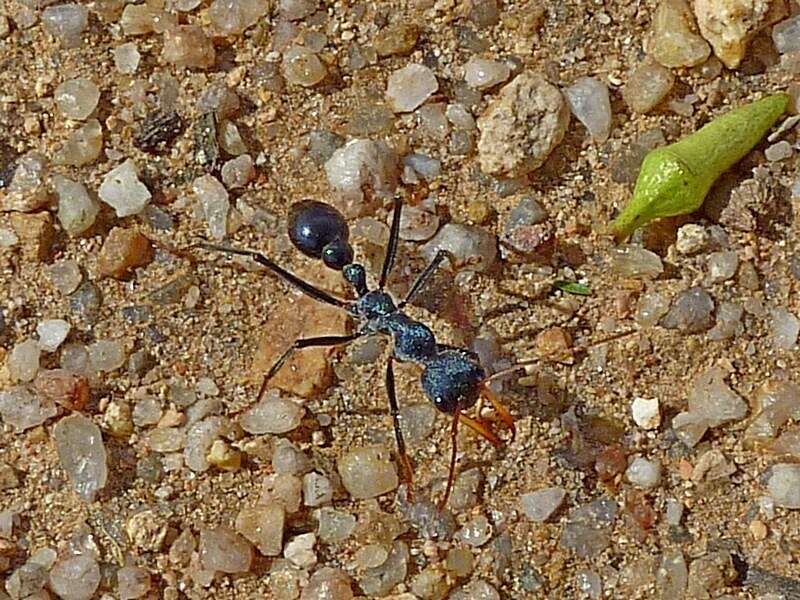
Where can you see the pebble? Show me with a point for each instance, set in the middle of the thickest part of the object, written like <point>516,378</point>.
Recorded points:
<point>644,473</point>
<point>77,98</point>
<point>646,412</point>
<point>29,188</point>
<point>21,408</point>
<point>300,550</point>
<point>672,575</point>
<point>317,489</point>
<point>233,17</point>
<point>409,87</point>
<point>371,555</point>
<point>214,202</point>
<point>531,105</point>
<point>328,584</point>
<point>166,439</point>
<point>589,583</point>
<point>66,22</point>
<point>588,528</point>
<point>636,262</point>
<point>141,19</point>
<point>483,74</point>
<point>82,454</point>
<point>358,164</point>
<point>52,333</point>
<point>727,321</point>
<point>712,399</point>
<point>778,151</point>
<point>367,472</point>
<point>223,457</point>
<point>8,239</point>
<point>83,146</point>
<point>36,234</point>
<point>397,39</point>
<point>263,526</point>
<point>526,228</point>
<point>692,239</point>
<point>222,549</point>
<point>23,361</point>
<point>785,329</point>
<point>75,577</point>
<point>303,67</point>
<point>460,117</point>
<point>476,590</point>
<point>728,25</point>
<point>647,86</point>
<point>674,511</point>
<point>123,251</point>
<point>425,166</point>
<point>66,276</point>
<point>287,459</point>
<point>238,172</point>
<point>472,248</point>
<point>722,266</point>
<point>475,532</point>
<point>417,421</point>
<point>691,312</point>
<point>273,414</point>
<point>106,355</point>
<point>122,190</point>
<point>379,581</point>
<point>775,402</point>
<point>335,525</point>
<point>416,224</point>
<point>784,485</point>
<point>786,35</point>
<point>77,210</point>
<point>294,10</point>
<point>86,301</point>
<point>199,439</point>
<point>322,144</point>
<point>589,101</point>
<point>186,46</point>
<point>126,58</point>
<point>674,41</point>
<point>542,504</point>
<point>132,582</point>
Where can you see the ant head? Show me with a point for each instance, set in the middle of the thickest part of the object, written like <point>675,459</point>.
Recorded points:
<point>319,230</point>
<point>452,380</point>
<point>357,277</point>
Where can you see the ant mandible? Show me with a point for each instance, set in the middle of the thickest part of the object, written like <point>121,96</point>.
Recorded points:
<point>452,378</point>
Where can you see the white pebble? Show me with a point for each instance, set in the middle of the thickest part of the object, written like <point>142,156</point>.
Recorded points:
<point>215,204</point>
<point>77,98</point>
<point>409,87</point>
<point>126,58</point>
<point>300,550</point>
<point>122,190</point>
<point>646,412</point>
<point>23,361</point>
<point>482,74</point>
<point>589,102</point>
<point>784,485</point>
<point>52,333</point>
<point>644,473</point>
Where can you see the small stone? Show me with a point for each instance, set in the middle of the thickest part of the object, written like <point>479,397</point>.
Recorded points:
<point>23,361</point>
<point>66,22</point>
<point>366,472</point>
<point>122,190</point>
<point>328,584</point>
<point>66,276</point>
<point>86,301</point>
<point>141,19</point>
<point>238,172</point>
<point>521,126</point>
<point>317,489</point>
<point>361,164</point>
<point>77,210</point>
<point>526,228</point>
<point>294,10</point>
<point>199,439</point>
<point>778,151</point>
<point>300,550</point>
<point>77,98</point>
<point>692,239</point>
<point>23,409</point>
<point>146,530</point>
<point>29,187</point>
<point>36,234</point>
<point>416,224</point>
<point>223,457</point>
<point>722,266</point>
<point>644,473</point>
<point>468,248</point>
<point>483,74</point>
<point>636,262</point>
<point>214,201</point>
<point>335,525</point>
<point>712,399</point>
<point>233,17</point>
<point>82,454</point>
<point>106,355</point>
<point>587,531</point>
<point>75,577</point>
<point>475,532</point>
<point>674,512</point>
<point>287,459</point>
<point>8,239</point>
<point>711,466</point>
<point>758,530</point>
<point>425,166</point>
<point>322,144</point>
<point>397,39</point>
<point>379,581</point>
<point>5,27</point>
<point>371,555</point>
<point>646,413</point>
<point>133,582</point>
<point>126,58</point>
<point>8,478</point>
<point>786,35</point>
<point>785,329</point>
<point>409,87</point>
<point>674,41</point>
<point>83,146</point>
<point>186,46</point>
<point>123,251</point>
<point>691,311</point>
<point>52,333</point>
<point>541,504</point>
<point>589,101</point>
<point>303,67</point>
<point>727,321</point>
<point>784,485</point>
<point>273,414</point>
<point>263,526</point>
<point>166,439</point>
<point>672,575</point>
<point>222,549</point>
<point>647,86</point>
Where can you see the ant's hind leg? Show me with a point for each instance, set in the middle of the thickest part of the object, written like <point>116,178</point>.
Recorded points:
<point>406,469</point>
<point>500,409</point>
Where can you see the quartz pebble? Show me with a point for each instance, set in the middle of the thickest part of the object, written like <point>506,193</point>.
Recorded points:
<point>482,74</point>
<point>23,361</point>
<point>691,311</point>
<point>674,41</point>
<point>786,35</point>
<point>644,473</point>
<point>785,329</point>
<point>287,459</point>
<point>106,355</point>
<point>232,17</point>
<point>636,262</point>
<point>379,581</point>
<point>646,412</point>
<point>526,228</point>
<point>52,332</point>
<point>722,266</point>
<point>199,440</point>
<point>77,98</point>
<point>692,239</point>
<point>416,224</point>
<point>335,525</point>
<point>589,101</point>
<point>66,22</point>
<point>727,321</point>
<point>784,485</point>
<point>83,146</point>
<point>21,408</point>
<point>214,202</point>
<point>141,19</point>
<point>672,575</point>
<point>647,86</point>
<point>366,472</point>
<point>133,582</point>
<point>409,87</point>
<point>187,46</point>
<point>77,210</point>
<point>238,172</point>
<point>263,526</point>
<point>273,414</point>
<point>328,584</point>
<point>358,164</point>
<point>521,126</point>
<point>472,248</point>
<point>294,10</point>
<point>75,577</point>
<point>63,387</point>
<point>588,528</point>
<point>541,504</point>
<point>82,454</point>
<point>29,188</point>
<point>303,67</point>
<point>317,489</point>
<point>123,251</point>
<point>222,549</point>
<point>36,234</point>
<point>396,39</point>
<point>122,190</point>
<point>85,302</point>
<point>300,550</point>
<point>126,58</point>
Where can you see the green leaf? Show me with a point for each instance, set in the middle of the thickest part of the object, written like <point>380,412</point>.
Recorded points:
<point>573,287</point>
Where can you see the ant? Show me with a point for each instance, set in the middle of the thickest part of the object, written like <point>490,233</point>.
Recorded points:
<point>452,378</point>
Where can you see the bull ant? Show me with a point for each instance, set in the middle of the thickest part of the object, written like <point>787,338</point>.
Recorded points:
<point>452,378</point>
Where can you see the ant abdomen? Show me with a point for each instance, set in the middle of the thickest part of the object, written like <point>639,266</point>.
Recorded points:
<point>319,230</point>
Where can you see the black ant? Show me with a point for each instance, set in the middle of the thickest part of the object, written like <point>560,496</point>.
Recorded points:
<point>452,378</point>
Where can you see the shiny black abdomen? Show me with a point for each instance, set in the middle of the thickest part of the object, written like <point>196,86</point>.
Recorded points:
<point>452,379</point>
<point>313,225</point>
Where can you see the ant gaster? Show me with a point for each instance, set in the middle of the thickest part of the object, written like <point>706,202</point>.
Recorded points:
<point>452,378</point>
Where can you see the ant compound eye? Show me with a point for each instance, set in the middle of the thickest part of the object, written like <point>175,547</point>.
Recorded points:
<point>313,225</point>
<point>337,254</point>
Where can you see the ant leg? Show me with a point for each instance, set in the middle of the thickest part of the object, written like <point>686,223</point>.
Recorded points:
<point>405,462</point>
<point>423,278</point>
<point>499,408</point>
<point>299,344</point>
<point>482,429</point>
<point>287,276</point>
<point>391,249</point>
<point>451,475</point>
